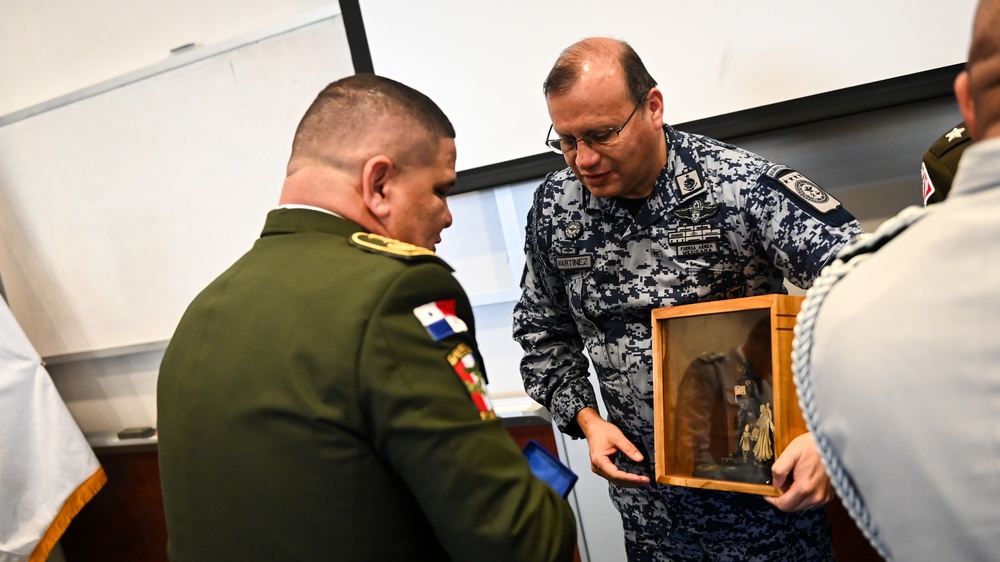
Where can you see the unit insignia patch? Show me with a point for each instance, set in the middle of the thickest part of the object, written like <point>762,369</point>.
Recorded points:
<point>464,362</point>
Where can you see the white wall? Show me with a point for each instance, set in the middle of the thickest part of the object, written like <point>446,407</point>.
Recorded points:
<point>116,208</point>
<point>484,62</point>
<point>49,48</point>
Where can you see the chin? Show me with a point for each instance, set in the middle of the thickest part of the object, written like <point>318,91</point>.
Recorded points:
<point>603,191</point>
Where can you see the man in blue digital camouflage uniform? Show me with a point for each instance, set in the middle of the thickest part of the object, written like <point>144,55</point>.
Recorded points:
<point>644,217</point>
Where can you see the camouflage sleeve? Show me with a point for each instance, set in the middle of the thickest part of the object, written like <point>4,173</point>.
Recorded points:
<point>554,368</point>
<point>801,226</point>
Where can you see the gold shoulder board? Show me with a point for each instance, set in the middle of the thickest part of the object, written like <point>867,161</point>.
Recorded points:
<point>382,245</point>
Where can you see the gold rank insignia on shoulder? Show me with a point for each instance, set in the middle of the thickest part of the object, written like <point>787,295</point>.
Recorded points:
<point>385,245</point>
<point>388,246</point>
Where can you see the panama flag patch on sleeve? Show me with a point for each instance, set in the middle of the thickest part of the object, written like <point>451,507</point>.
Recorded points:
<point>464,362</point>
<point>439,319</point>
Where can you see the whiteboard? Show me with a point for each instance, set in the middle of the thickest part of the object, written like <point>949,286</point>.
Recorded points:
<point>49,48</point>
<point>484,63</point>
<point>116,210</point>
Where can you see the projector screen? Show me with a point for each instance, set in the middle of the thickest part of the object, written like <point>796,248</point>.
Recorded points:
<point>484,62</point>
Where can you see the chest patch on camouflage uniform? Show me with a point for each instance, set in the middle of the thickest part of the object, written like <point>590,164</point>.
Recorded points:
<point>804,188</point>
<point>439,319</point>
<point>574,261</point>
<point>697,211</point>
<point>688,184</point>
<point>695,239</point>
<point>464,362</point>
<point>574,230</point>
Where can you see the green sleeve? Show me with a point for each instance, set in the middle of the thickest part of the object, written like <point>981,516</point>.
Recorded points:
<point>467,474</point>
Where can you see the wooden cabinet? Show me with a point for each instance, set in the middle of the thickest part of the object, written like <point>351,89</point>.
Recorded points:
<point>725,404</point>
<point>124,521</point>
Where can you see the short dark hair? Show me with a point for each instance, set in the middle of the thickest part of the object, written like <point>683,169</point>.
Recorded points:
<point>566,69</point>
<point>345,108</point>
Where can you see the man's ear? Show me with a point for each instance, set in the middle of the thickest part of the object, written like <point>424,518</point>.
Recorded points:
<point>654,103</point>
<point>966,105</point>
<point>375,174</point>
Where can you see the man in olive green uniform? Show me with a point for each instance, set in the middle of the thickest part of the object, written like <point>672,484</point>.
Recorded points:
<point>323,399</point>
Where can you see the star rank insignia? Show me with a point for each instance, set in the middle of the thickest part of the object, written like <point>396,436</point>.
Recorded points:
<point>955,134</point>
<point>697,211</point>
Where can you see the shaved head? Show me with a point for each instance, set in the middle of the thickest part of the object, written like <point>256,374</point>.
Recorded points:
<point>359,116</point>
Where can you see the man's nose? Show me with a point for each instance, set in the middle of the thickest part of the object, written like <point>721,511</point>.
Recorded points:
<point>586,156</point>
<point>447,217</point>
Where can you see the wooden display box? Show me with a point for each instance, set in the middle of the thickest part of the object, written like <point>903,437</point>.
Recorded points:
<point>724,401</point>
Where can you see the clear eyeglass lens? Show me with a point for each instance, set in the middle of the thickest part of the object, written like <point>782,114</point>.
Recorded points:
<point>604,138</point>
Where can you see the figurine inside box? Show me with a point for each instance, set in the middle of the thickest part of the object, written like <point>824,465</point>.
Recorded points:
<point>724,401</point>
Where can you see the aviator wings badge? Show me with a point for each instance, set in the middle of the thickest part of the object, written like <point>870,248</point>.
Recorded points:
<point>697,211</point>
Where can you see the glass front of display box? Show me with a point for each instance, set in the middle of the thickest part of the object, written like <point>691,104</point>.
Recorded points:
<point>716,377</point>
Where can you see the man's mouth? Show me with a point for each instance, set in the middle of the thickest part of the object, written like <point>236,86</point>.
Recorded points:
<point>596,178</point>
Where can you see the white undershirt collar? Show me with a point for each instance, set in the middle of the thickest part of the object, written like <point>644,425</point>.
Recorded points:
<point>309,208</point>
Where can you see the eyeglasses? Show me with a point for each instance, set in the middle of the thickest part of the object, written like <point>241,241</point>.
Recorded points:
<point>604,137</point>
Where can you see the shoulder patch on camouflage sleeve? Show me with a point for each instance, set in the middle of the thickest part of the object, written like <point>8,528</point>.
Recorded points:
<point>463,360</point>
<point>803,188</point>
<point>377,244</point>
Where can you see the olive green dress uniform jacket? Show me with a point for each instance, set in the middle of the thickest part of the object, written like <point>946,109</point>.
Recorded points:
<point>305,413</point>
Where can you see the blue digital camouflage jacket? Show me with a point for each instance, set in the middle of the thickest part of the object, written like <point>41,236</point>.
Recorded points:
<point>721,223</point>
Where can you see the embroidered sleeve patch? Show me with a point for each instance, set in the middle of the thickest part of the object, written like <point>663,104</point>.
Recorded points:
<point>464,362</point>
<point>804,188</point>
<point>928,185</point>
<point>440,320</point>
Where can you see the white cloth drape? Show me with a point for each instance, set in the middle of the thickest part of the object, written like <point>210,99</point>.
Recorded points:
<point>47,469</point>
